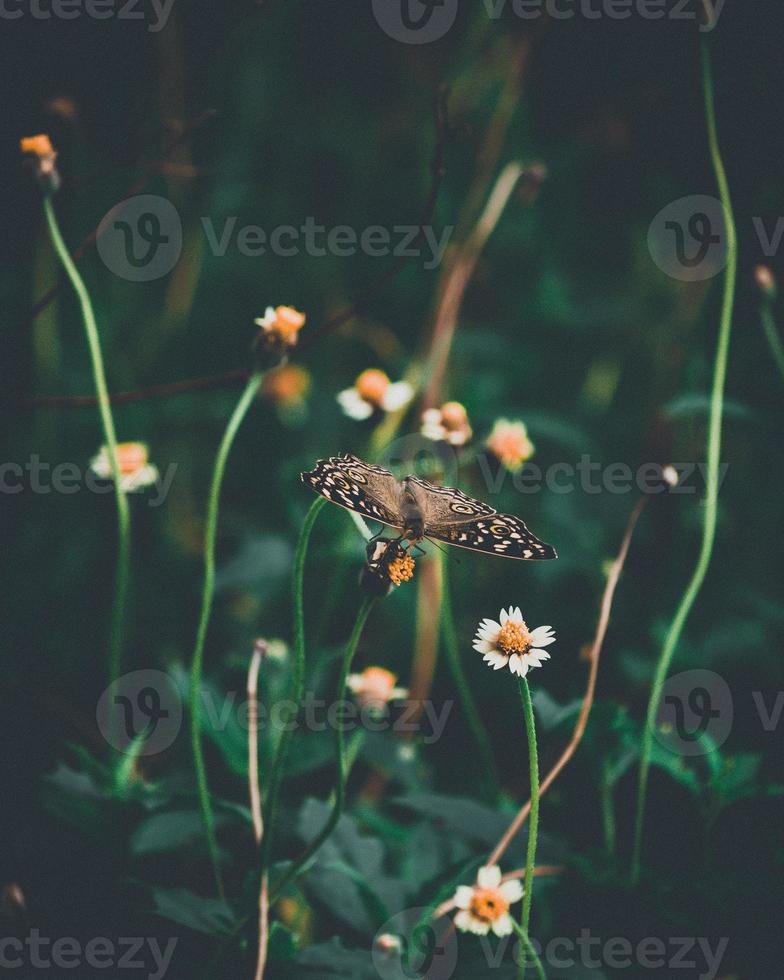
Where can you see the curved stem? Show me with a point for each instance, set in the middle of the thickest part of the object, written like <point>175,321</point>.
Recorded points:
<point>714,455</point>
<point>297,680</point>
<point>533,824</point>
<point>530,954</point>
<point>772,334</point>
<point>486,759</point>
<point>340,744</point>
<point>208,590</point>
<point>110,438</point>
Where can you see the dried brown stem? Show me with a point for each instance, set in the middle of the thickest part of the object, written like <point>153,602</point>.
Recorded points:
<point>458,278</point>
<point>255,798</point>
<point>582,720</point>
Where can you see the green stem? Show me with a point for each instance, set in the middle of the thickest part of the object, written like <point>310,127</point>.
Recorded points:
<point>342,768</point>
<point>486,759</point>
<point>772,334</point>
<point>297,680</point>
<point>533,822</point>
<point>714,458</point>
<point>530,954</point>
<point>208,590</point>
<point>122,576</point>
<point>608,811</point>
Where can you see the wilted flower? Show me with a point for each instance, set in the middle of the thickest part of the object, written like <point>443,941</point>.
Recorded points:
<point>388,563</point>
<point>511,643</point>
<point>42,156</point>
<point>372,392</point>
<point>387,943</point>
<point>485,906</point>
<point>765,280</point>
<point>287,385</point>
<point>510,444</point>
<point>447,424</point>
<point>280,327</point>
<point>375,687</point>
<point>136,471</point>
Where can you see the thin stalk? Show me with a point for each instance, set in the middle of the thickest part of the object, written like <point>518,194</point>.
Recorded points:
<point>478,730</point>
<point>208,591</point>
<point>297,680</point>
<point>772,334</point>
<point>255,800</point>
<point>342,767</point>
<point>122,575</point>
<point>608,810</point>
<point>714,458</point>
<point>533,823</point>
<point>529,955</point>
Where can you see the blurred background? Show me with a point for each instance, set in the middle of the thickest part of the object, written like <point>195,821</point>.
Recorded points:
<point>283,112</point>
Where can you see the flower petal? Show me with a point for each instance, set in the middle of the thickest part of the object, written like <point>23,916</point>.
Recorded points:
<point>483,646</point>
<point>463,897</point>
<point>515,614</point>
<point>354,405</point>
<point>489,877</point>
<point>397,396</point>
<point>541,637</point>
<point>504,616</point>
<point>463,921</point>
<point>503,925</point>
<point>512,891</point>
<point>497,660</point>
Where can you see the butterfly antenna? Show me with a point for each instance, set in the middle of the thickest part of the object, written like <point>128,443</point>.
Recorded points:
<point>442,550</point>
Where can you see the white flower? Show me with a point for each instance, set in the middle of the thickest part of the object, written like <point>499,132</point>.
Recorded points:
<point>375,686</point>
<point>511,643</point>
<point>136,471</point>
<point>374,391</point>
<point>486,905</point>
<point>447,424</point>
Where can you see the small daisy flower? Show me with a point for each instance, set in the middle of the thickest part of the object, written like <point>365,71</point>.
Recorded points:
<point>510,444</point>
<point>38,150</point>
<point>510,642</point>
<point>486,905</point>
<point>280,327</point>
<point>447,424</point>
<point>136,471</point>
<point>373,392</point>
<point>375,687</point>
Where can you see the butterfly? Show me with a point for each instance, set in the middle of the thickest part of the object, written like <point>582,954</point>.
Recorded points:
<point>423,510</point>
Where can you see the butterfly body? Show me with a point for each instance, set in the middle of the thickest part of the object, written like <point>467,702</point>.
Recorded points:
<point>419,509</point>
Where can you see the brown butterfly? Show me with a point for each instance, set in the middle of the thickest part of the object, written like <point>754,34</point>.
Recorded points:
<point>423,510</point>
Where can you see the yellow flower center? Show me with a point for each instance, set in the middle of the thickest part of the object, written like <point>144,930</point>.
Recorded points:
<point>514,638</point>
<point>131,457</point>
<point>488,905</point>
<point>371,385</point>
<point>401,569</point>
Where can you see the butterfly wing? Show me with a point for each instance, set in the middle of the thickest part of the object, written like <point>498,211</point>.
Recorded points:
<point>445,506</point>
<point>368,490</point>
<point>500,534</point>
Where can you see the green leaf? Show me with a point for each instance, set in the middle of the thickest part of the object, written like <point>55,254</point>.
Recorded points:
<point>347,874</point>
<point>170,830</point>
<point>211,916</point>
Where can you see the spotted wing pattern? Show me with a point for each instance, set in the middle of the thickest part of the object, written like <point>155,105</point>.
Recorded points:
<point>368,490</point>
<point>444,506</point>
<point>501,535</point>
